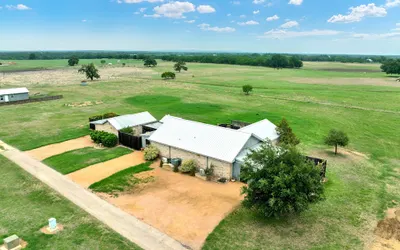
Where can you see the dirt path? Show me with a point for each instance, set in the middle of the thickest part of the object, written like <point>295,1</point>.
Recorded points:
<point>127,225</point>
<point>187,208</point>
<point>59,148</point>
<point>89,175</point>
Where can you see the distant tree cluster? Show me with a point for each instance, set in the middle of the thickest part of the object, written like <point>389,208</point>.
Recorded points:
<point>150,62</point>
<point>391,67</point>
<point>273,61</point>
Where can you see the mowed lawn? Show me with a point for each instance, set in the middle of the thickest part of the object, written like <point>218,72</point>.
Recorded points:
<point>27,204</point>
<point>74,160</point>
<point>312,99</point>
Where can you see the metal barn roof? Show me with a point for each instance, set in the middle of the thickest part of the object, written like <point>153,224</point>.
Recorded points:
<point>13,91</point>
<point>200,138</point>
<point>263,129</point>
<point>125,121</point>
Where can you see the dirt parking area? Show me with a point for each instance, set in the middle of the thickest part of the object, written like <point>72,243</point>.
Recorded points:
<point>91,174</point>
<point>59,148</point>
<point>184,207</point>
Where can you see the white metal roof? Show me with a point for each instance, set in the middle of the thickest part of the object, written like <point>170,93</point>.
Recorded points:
<point>263,129</point>
<point>125,121</point>
<point>13,91</point>
<point>200,138</point>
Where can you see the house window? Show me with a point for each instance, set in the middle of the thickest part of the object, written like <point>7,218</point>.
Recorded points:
<point>1,98</point>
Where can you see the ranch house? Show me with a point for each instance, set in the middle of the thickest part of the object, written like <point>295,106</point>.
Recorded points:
<point>134,121</point>
<point>223,148</point>
<point>13,95</point>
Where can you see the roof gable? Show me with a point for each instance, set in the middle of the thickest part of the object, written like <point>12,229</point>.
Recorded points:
<point>263,129</point>
<point>13,91</point>
<point>204,139</point>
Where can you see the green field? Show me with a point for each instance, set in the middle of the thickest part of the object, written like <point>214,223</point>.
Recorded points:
<point>314,99</point>
<point>27,204</point>
<point>74,160</point>
<point>120,181</point>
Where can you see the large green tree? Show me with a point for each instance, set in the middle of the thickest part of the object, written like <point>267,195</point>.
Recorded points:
<point>336,138</point>
<point>279,61</point>
<point>286,135</point>
<point>150,62</point>
<point>168,75</point>
<point>391,67</point>
<point>280,181</point>
<point>73,60</point>
<point>180,65</point>
<point>90,71</point>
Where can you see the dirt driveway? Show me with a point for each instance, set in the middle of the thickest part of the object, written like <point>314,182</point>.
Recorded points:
<point>185,208</point>
<point>91,174</point>
<point>59,148</point>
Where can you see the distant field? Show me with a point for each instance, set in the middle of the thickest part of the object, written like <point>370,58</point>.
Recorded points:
<point>364,103</point>
<point>27,204</point>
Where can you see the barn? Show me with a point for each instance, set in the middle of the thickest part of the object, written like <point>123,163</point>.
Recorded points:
<point>134,121</point>
<point>223,148</point>
<point>14,94</point>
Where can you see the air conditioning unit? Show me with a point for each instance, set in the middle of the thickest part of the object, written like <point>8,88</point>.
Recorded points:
<point>202,172</point>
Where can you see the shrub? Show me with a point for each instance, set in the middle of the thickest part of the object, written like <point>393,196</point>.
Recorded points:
<point>151,153</point>
<point>109,115</point>
<point>286,135</point>
<point>175,169</point>
<point>209,172</point>
<point>100,117</point>
<point>247,89</point>
<point>95,118</point>
<point>168,75</point>
<point>109,140</point>
<point>189,167</point>
<point>127,130</point>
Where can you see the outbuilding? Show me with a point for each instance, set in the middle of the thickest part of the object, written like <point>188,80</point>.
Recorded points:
<point>134,121</point>
<point>210,145</point>
<point>14,94</point>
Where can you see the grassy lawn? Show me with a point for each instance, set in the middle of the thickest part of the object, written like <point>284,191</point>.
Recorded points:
<point>363,104</point>
<point>74,160</point>
<point>26,205</point>
<point>120,181</point>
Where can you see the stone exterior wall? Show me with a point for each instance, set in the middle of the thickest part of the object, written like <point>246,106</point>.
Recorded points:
<point>221,168</point>
<point>106,127</point>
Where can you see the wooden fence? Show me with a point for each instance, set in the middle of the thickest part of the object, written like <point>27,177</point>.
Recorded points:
<point>130,141</point>
<point>41,99</point>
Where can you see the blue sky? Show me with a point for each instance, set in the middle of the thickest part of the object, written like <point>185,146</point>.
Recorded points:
<point>290,26</point>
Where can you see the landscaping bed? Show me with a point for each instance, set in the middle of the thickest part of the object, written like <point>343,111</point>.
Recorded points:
<point>74,160</point>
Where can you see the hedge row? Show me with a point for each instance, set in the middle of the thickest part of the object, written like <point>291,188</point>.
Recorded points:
<point>101,117</point>
<point>107,139</point>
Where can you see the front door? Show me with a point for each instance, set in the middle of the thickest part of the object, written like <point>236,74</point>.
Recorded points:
<point>6,98</point>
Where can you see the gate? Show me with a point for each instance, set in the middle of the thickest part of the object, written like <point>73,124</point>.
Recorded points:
<point>130,141</point>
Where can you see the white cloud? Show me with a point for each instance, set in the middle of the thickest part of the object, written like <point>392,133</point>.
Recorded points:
<point>174,9</point>
<point>296,2</point>
<point>205,9</point>
<point>190,21</point>
<point>289,25</point>
<point>242,16</point>
<point>152,16</point>
<point>256,12</point>
<point>358,13</point>
<point>142,9</point>
<point>279,34</point>
<point>139,1</point>
<point>258,1</point>
<point>392,3</point>
<point>84,21</point>
<point>229,14</point>
<point>272,18</point>
<point>376,36</point>
<point>397,24</point>
<point>207,27</point>
<point>18,7</point>
<point>235,2</point>
<point>251,22</point>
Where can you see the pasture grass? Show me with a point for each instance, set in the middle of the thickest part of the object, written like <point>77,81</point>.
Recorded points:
<point>27,204</point>
<point>358,191</point>
<point>120,181</point>
<point>74,160</point>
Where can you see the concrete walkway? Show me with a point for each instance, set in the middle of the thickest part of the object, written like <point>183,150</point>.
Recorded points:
<point>125,224</point>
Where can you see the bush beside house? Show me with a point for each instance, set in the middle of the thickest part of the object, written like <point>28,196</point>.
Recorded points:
<point>151,153</point>
<point>107,139</point>
<point>189,167</point>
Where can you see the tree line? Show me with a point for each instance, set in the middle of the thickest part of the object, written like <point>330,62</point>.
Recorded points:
<point>391,67</point>
<point>274,61</point>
